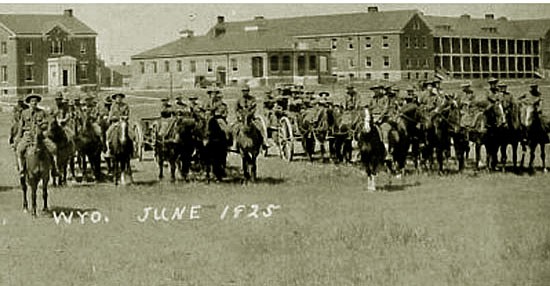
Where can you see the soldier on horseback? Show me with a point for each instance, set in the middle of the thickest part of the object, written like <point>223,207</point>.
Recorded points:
<point>246,110</point>
<point>17,111</point>
<point>351,98</point>
<point>33,120</point>
<point>60,111</point>
<point>119,111</point>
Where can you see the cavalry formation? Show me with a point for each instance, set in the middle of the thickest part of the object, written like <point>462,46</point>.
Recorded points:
<point>389,128</point>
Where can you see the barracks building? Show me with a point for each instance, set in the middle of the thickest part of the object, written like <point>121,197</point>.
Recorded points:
<point>371,45</point>
<point>43,53</point>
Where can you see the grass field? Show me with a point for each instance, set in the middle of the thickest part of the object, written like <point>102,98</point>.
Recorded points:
<point>485,229</point>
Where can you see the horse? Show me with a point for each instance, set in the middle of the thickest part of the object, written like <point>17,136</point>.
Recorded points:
<point>38,166</point>
<point>536,134</point>
<point>176,145</point>
<point>343,132</point>
<point>513,133</point>
<point>314,126</point>
<point>64,140</point>
<point>217,138</point>
<point>372,149</point>
<point>122,149</point>
<point>249,144</point>
<point>402,135</point>
<point>88,145</point>
<point>496,126</point>
<point>457,133</point>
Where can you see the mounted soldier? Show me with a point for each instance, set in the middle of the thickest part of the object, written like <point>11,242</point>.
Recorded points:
<point>119,111</point>
<point>17,111</point>
<point>33,120</point>
<point>351,98</point>
<point>246,110</point>
<point>60,111</point>
<point>166,109</point>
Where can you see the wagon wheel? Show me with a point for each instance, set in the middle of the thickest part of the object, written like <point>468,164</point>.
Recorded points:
<point>138,146</point>
<point>286,139</point>
<point>264,130</point>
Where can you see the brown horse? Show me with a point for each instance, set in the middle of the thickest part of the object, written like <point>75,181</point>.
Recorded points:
<point>536,133</point>
<point>89,145</point>
<point>249,144</point>
<point>122,150</point>
<point>373,151</point>
<point>38,166</point>
<point>64,140</point>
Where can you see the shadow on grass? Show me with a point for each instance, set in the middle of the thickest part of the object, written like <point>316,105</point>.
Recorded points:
<point>392,187</point>
<point>149,183</point>
<point>8,188</point>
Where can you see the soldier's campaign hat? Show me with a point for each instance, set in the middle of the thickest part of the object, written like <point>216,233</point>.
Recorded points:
<point>193,97</point>
<point>350,87</point>
<point>324,94</point>
<point>502,85</point>
<point>492,80</point>
<point>165,99</point>
<point>533,85</point>
<point>245,88</point>
<point>58,95</point>
<point>464,85</point>
<point>114,96</point>
<point>31,96</point>
<point>107,100</point>
<point>376,87</point>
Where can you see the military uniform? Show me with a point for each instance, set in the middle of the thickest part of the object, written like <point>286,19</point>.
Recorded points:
<point>351,98</point>
<point>119,111</point>
<point>246,107</point>
<point>32,121</point>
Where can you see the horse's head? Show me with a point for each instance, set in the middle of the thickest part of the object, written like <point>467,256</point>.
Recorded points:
<point>529,115</point>
<point>497,115</point>
<point>367,119</point>
<point>123,135</point>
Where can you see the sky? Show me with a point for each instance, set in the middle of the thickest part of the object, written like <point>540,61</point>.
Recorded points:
<point>128,29</point>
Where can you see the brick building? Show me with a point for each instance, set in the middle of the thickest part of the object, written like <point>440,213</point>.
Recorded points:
<point>43,53</point>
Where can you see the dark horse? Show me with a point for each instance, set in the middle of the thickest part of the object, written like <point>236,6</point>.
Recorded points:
<point>496,126</point>
<point>249,144</point>
<point>345,125</point>
<point>402,135</point>
<point>373,151</point>
<point>177,145</point>
<point>446,127</point>
<point>216,140</point>
<point>314,126</point>
<point>122,149</point>
<point>536,133</point>
<point>88,145</point>
<point>64,140</point>
<point>38,166</point>
<point>513,133</point>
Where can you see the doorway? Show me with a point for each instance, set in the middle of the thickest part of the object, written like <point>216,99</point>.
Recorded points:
<point>65,78</point>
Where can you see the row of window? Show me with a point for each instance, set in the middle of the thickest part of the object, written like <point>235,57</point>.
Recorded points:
<point>56,47</point>
<point>487,63</point>
<point>386,76</point>
<point>369,62</point>
<point>29,72</point>
<point>486,46</point>
<point>179,66</point>
<point>367,43</point>
<point>417,42</point>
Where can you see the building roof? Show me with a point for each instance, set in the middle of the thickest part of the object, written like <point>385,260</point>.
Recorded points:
<point>536,28</point>
<point>473,27</point>
<point>278,34</point>
<point>28,24</point>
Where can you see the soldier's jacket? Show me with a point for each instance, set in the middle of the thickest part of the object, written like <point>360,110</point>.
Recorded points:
<point>118,110</point>
<point>247,104</point>
<point>351,99</point>
<point>32,120</point>
<point>17,111</point>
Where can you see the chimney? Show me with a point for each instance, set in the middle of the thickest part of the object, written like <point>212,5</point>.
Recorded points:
<point>68,12</point>
<point>489,16</point>
<point>221,19</point>
<point>186,33</point>
<point>372,9</point>
<point>258,17</point>
<point>465,16</point>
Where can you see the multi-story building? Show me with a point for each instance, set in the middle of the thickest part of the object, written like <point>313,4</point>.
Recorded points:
<point>43,53</point>
<point>372,45</point>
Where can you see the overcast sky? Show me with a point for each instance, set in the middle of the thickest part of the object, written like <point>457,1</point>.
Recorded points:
<point>127,29</point>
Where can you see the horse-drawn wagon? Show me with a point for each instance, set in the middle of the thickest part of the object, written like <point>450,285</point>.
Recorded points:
<point>145,133</point>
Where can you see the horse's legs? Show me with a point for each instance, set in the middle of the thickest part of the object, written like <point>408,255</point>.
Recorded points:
<point>439,154</point>
<point>543,157</point>
<point>172,162</point>
<point>254,166</point>
<point>533,149</point>
<point>245,168</point>
<point>477,147</point>
<point>34,186</point>
<point>504,155</point>
<point>23,182</point>
<point>160,162</point>
<point>45,193</point>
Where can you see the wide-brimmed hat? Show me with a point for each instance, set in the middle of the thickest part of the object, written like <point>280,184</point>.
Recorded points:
<point>533,85</point>
<point>464,85</point>
<point>213,91</point>
<point>193,97</point>
<point>350,87</point>
<point>114,96</point>
<point>324,94</point>
<point>31,96</point>
<point>245,88</point>
<point>492,80</point>
<point>376,87</point>
<point>58,95</point>
<point>502,85</point>
<point>165,99</point>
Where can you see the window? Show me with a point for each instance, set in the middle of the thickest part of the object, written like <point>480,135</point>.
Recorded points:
<point>416,42</point>
<point>4,73</point>
<point>424,43</point>
<point>179,66</point>
<point>29,72</point>
<point>154,67</point>
<point>234,65</point>
<point>386,76</point>
<point>142,67</point>
<point>368,62</point>
<point>83,70</point>
<point>425,75</point>
<point>417,75</point>
<point>407,42</point>
<point>368,76</point>
<point>416,25</point>
<point>351,64</point>
<point>385,42</point>
<point>274,63</point>
<point>286,63</point>
<point>56,47</point>
<point>82,47</point>
<point>386,61</point>
<point>323,64</point>
<point>166,66</point>
<point>350,43</point>
<point>4,48</point>
<point>312,62</point>
<point>334,43</point>
<point>426,63</point>
<point>368,43</point>
<point>408,75</point>
<point>193,66</point>
<point>208,65</point>
<point>28,49</point>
